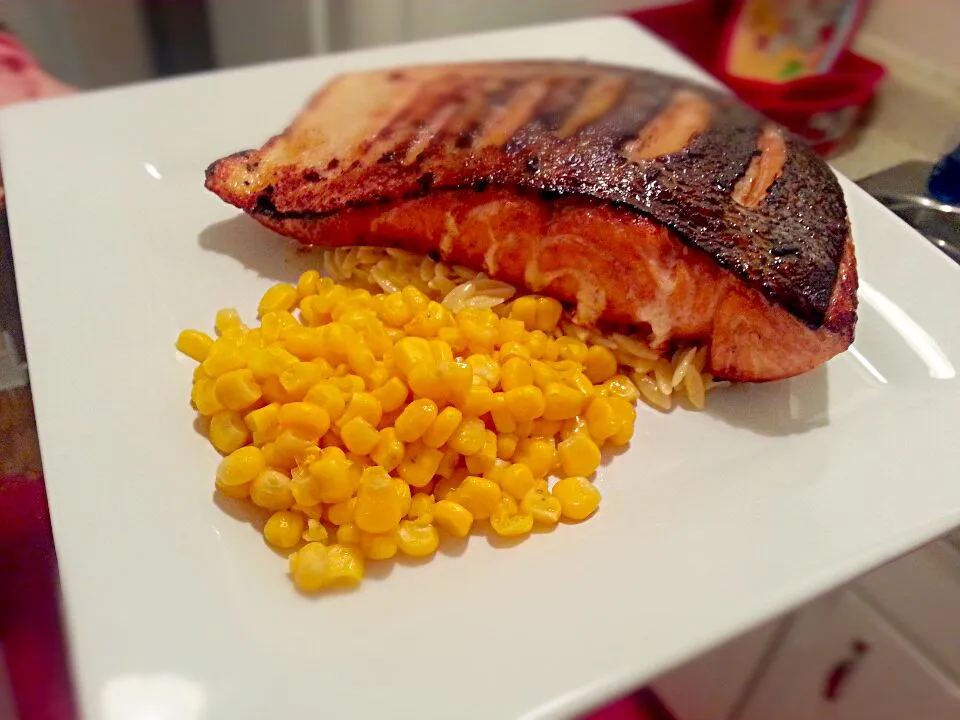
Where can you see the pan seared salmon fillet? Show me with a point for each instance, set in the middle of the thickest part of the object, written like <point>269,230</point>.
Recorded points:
<point>645,202</point>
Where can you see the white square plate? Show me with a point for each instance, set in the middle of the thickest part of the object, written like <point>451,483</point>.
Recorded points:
<point>711,523</point>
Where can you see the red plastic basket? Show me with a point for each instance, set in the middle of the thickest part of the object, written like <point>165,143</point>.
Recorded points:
<point>824,110</point>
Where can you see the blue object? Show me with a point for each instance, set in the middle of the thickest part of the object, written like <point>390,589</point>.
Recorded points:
<point>944,181</point>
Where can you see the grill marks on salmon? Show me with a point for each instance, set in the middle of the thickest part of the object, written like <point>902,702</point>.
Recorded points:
<point>686,117</point>
<point>644,201</point>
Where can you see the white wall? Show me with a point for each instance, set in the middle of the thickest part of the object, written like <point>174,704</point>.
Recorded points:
<point>88,43</point>
<point>364,23</point>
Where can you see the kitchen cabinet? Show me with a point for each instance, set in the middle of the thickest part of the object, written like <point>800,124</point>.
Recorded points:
<point>712,686</point>
<point>841,660</point>
<point>920,593</point>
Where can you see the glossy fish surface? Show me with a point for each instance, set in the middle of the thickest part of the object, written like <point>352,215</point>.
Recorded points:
<point>644,201</point>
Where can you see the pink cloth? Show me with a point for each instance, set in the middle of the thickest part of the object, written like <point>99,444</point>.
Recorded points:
<point>21,78</point>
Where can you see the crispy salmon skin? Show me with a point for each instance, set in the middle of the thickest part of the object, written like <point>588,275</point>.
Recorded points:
<point>644,201</point>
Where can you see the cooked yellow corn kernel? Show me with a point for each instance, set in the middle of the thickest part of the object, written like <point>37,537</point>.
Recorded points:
<point>403,492</point>
<point>271,490</point>
<point>600,364</point>
<point>223,357</point>
<point>345,565</point>
<point>442,352</point>
<point>548,313</point>
<point>524,308</point>
<point>449,463</point>
<point>336,476</point>
<point>425,382</point>
<point>263,419</point>
<point>453,518</point>
<point>241,466</point>
<point>379,507</point>
<point>348,534</point>
<point>273,391</point>
<point>621,386</point>
<point>381,546</point>
<point>478,495</point>
<point>298,379</point>
<point>315,532</point>
<point>479,463</point>
<point>524,428</point>
<point>561,402</point>
<point>359,436</point>
<point>389,450</point>
<point>442,427</point>
<point>457,377</point>
<point>311,512</point>
<point>513,348</point>
<point>602,419</point>
<point>364,405</point>
<point>569,348</point>
<point>477,401</point>
<point>417,538</point>
<point>444,489</point>
<point>469,437</point>
<point>543,374</point>
<point>307,283</point>
<point>517,480</point>
<point>622,436</point>
<point>581,383</point>
<point>579,455</point>
<point>237,390</point>
<point>414,299</point>
<point>195,344</point>
<point>453,337</point>
<point>204,396</point>
<point>316,566</point>
<point>341,513</point>
<point>391,394</point>
<point>227,319</point>
<point>503,419</point>
<point>485,368</point>
<point>419,464</point>
<point>280,297</point>
<point>524,403</point>
<point>271,361</point>
<point>294,446</point>
<point>543,428</point>
<point>623,411</point>
<point>305,416</point>
<point>516,372</point>
<point>227,431</point>
<point>395,312</point>
<point>328,396</point>
<point>412,352</point>
<point>537,343</point>
<point>539,454</point>
<point>508,520</point>
<point>420,504</point>
<point>574,426</point>
<point>284,529</point>
<point>305,489</point>
<point>415,419</point>
<point>543,507</point>
<point>578,497</point>
<point>506,445</point>
<point>237,492</point>
<point>479,327</point>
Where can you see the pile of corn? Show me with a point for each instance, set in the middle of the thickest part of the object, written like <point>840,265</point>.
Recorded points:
<point>371,423</point>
